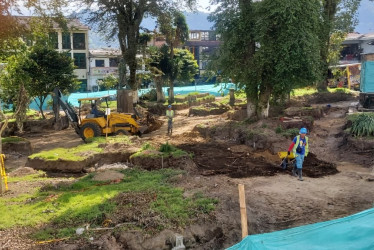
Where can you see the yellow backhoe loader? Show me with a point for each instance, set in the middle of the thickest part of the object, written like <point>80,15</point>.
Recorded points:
<point>97,123</point>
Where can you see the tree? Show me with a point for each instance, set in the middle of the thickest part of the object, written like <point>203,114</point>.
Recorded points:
<point>47,70</point>
<point>123,19</point>
<point>185,65</point>
<point>269,47</point>
<point>13,80</point>
<point>109,81</point>
<point>336,16</point>
<point>175,29</point>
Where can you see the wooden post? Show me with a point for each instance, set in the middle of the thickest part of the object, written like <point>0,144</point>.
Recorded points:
<point>243,210</point>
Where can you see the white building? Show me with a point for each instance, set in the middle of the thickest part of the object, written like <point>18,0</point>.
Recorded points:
<point>102,62</point>
<point>74,41</point>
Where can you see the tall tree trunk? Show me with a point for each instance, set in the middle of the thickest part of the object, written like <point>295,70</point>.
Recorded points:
<point>171,93</point>
<point>40,106</point>
<point>328,15</point>
<point>22,105</point>
<point>251,107</point>
<point>160,93</point>
<point>263,103</point>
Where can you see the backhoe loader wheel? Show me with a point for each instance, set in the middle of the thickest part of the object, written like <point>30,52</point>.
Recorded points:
<point>90,130</point>
<point>122,132</point>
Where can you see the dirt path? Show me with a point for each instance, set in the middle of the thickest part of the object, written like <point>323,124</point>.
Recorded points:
<point>54,139</point>
<point>182,125</point>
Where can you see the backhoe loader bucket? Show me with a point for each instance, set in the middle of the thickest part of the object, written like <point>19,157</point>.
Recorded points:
<point>142,129</point>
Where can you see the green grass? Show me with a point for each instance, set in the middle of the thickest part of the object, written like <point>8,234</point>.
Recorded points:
<point>238,96</point>
<point>12,139</point>
<point>111,104</point>
<point>76,153</point>
<point>29,112</point>
<point>312,90</point>
<point>65,208</point>
<point>165,150</point>
<point>29,178</point>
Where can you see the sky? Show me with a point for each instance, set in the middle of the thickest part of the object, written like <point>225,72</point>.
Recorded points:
<point>365,17</point>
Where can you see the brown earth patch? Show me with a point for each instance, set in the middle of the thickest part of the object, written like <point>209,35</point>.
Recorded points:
<point>209,109</point>
<point>67,166</point>
<point>152,160</point>
<point>213,159</point>
<point>22,147</point>
<point>108,175</point>
<point>22,172</point>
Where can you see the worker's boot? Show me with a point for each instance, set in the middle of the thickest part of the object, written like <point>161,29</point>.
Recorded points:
<point>294,171</point>
<point>300,174</point>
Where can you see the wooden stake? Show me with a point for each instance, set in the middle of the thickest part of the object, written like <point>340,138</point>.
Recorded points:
<point>243,210</point>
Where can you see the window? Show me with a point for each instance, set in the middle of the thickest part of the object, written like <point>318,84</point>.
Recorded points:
<point>80,60</point>
<point>194,36</point>
<point>79,41</point>
<point>66,41</point>
<point>204,64</point>
<point>205,35</point>
<point>99,63</point>
<point>113,62</point>
<point>53,38</point>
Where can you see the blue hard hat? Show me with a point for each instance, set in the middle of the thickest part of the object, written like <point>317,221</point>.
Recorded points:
<point>303,131</point>
<point>169,106</point>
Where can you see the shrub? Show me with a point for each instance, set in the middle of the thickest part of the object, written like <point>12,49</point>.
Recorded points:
<point>363,124</point>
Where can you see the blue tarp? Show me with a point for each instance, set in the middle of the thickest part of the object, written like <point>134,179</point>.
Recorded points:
<point>352,232</point>
<point>367,77</point>
<point>211,89</point>
<point>216,90</point>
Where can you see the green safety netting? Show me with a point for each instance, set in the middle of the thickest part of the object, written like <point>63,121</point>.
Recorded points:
<point>352,232</point>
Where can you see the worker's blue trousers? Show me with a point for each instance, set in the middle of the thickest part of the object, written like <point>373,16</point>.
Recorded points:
<point>299,161</point>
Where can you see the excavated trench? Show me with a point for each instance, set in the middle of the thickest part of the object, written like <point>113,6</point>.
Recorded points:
<point>213,159</point>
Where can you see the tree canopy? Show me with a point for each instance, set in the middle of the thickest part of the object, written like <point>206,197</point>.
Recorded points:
<point>122,19</point>
<point>269,47</point>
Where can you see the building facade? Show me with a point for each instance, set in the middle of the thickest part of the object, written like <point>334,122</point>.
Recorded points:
<point>75,43</point>
<point>354,46</point>
<point>202,44</point>
<point>102,62</point>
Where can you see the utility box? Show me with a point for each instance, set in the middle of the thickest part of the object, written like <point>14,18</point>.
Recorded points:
<point>367,81</point>
<point>125,101</point>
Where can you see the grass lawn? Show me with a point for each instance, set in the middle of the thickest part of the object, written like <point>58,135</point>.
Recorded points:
<point>12,139</point>
<point>59,210</point>
<point>75,154</point>
<point>165,151</point>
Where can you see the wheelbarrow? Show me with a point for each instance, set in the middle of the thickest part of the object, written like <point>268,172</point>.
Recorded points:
<point>287,160</point>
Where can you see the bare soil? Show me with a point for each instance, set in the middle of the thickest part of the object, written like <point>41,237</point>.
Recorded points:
<point>337,183</point>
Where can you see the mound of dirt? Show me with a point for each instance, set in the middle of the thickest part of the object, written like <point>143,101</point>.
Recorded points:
<point>209,109</point>
<point>313,167</point>
<point>22,172</point>
<point>109,175</point>
<point>213,159</point>
<point>22,147</point>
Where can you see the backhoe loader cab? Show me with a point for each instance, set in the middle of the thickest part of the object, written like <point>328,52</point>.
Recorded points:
<point>97,123</point>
